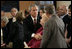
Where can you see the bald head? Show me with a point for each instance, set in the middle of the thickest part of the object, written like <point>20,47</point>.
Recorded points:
<point>62,10</point>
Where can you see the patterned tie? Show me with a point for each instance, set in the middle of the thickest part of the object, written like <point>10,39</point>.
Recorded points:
<point>35,21</point>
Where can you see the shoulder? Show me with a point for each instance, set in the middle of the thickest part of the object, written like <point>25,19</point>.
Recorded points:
<point>51,22</point>
<point>66,17</point>
<point>10,20</point>
<point>27,18</point>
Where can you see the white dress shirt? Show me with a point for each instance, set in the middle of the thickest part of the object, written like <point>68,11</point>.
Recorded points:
<point>14,19</point>
<point>34,18</point>
<point>63,16</point>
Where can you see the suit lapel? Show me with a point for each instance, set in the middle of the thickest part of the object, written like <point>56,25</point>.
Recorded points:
<point>31,21</point>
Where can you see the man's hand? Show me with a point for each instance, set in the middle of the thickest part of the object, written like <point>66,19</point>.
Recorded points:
<point>68,40</point>
<point>38,36</point>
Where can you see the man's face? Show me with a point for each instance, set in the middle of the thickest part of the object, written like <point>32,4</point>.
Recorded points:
<point>13,12</point>
<point>69,12</point>
<point>34,11</point>
<point>62,11</point>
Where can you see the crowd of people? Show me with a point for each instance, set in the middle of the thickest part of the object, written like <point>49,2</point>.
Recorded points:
<point>46,28</point>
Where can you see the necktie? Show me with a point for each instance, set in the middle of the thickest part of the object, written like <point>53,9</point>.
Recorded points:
<point>34,21</point>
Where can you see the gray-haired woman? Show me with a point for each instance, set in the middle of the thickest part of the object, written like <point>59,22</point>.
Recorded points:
<point>4,21</point>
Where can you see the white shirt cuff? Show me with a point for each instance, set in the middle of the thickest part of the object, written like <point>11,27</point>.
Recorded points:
<point>33,35</point>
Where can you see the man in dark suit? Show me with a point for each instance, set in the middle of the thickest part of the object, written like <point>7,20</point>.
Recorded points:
<point>53,33</point>
<point>10,24</point>
<point>31,23</point>
<point>17,35</point>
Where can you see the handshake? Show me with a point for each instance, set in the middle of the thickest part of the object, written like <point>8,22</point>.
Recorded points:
<point>38,36</point>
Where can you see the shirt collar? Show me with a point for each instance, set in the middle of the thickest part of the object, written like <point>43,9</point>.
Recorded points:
<point>14,19</point>
<point>62,16</point>
<point>34,18</point>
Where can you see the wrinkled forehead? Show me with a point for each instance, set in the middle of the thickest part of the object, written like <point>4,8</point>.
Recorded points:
<point>62,7</point>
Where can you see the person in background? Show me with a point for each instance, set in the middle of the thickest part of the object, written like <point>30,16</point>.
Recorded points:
<point>41,12</point>
<point>18,31</point>
<point>4,35</point>
<point>10,23</point>
<point>26,13</point>
<point>53,31</point>
<point>4,29</point>
<point>62,11</point>
<point>68,26</point>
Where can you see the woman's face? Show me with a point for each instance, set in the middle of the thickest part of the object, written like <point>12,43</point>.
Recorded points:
<point>41,12</point>
<point>69,12</point>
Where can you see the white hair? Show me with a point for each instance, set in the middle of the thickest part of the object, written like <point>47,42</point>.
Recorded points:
<point>5,19</point>
<point>15,9</point>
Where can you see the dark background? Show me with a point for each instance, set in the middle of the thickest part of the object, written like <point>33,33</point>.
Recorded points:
<point>7,5</point>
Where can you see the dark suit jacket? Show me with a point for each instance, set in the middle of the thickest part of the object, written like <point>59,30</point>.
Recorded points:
<point>29,27</point>
<point>9,27</point>
<point>53,34</point>
<point>18,32</point>
<point>17,35</point>
<point>67,21</point>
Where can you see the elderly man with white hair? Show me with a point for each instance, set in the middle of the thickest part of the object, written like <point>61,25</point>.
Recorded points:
<point>11,21</point>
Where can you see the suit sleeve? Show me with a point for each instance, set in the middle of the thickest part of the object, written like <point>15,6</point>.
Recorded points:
<point>27,33</point>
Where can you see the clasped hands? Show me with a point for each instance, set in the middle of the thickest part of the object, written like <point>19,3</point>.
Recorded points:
<point>38,36</point>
